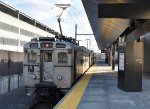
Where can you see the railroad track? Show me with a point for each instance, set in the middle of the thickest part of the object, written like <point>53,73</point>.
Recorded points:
<point>42,105</point>
<point>43,101</point>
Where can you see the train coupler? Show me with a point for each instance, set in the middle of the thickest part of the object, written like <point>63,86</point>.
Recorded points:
<point>47,91</point>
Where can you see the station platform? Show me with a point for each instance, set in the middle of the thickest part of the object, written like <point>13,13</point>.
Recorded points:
<point>98,89</point>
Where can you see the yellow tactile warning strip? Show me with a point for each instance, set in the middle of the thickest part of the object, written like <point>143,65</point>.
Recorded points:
<point>73,98</point>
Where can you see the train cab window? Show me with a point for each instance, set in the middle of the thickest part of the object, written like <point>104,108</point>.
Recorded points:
<point>47,57</point>
<point>32,57</point>
<point>62,57</point>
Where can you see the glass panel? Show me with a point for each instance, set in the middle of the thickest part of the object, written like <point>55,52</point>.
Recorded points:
<point>47,57</point>
<point>32,57</point>
<point>62,57</point>
<point>34,45</point>
<point>59,45</point>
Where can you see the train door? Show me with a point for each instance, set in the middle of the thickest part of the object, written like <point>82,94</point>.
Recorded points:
<point>75,64</point>
<point>47,66</point>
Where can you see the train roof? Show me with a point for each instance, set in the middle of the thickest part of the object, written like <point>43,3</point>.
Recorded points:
<point>55,42</point>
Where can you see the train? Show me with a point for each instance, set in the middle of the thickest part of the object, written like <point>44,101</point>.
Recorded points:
<point>51,63</point>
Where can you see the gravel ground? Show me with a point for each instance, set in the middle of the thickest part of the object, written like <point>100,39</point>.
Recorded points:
<point>16,99</point>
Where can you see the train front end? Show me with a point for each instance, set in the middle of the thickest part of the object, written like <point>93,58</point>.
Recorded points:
<point>38,65</point>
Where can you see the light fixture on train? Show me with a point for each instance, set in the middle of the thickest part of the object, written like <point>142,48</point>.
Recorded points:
<point>69,51</point>
<point>59,77</point>
<point>25,51</point>
<point>46,45</point>
<point>34,76</point>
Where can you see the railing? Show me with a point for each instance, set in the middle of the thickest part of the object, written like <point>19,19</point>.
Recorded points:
<point>8,83</point>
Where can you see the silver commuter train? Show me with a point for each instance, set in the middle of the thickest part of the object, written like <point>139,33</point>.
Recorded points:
<point>54,63</point>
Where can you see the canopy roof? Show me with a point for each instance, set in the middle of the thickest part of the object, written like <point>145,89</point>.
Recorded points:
<point>109,19</point>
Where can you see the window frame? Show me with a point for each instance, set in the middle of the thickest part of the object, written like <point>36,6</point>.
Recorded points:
<point>62,60</point>
<point>44,56</point>
<point>32,60</point>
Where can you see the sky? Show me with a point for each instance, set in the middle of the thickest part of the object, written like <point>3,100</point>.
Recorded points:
<point>46,12</point>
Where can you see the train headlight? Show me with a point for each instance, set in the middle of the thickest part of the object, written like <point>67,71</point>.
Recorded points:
<point>69,51</point>
<point>34,76</point>
<point>59,77</point>
<point>25,51</point>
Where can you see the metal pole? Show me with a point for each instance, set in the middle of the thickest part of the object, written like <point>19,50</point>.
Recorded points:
<point>9,71</point>
<point>87,43</point>
<point>113,56</point>
<point>75,32</point>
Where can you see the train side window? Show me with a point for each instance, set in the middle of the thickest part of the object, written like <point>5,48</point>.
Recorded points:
<point>32,57</point>
<point>62,57</point>
<point>47,57</point>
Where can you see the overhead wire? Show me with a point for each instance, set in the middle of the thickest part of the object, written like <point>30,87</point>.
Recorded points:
<point>66,20</point>
<point>72,10</point>
<point>71,13</point>
<point>77,11</point>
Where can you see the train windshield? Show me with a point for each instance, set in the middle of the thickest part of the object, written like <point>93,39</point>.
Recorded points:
<point>32,57</point>
<point>47,57</point>
<point>62,57</point>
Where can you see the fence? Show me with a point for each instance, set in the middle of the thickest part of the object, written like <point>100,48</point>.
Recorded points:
<point>8,83</point>
<point>10,63</point>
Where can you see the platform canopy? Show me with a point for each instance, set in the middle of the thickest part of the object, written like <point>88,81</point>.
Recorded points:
<point>109,19</point>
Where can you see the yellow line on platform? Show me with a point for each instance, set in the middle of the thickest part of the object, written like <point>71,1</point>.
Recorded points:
<point>73,98</point>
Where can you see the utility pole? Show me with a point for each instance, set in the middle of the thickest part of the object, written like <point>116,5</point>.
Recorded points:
<point>79,34</point>
<point>78,41</point>
<point>87,43</point>
<point>75,32</point>
<point>63,7</point>
<point>90,44</point>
